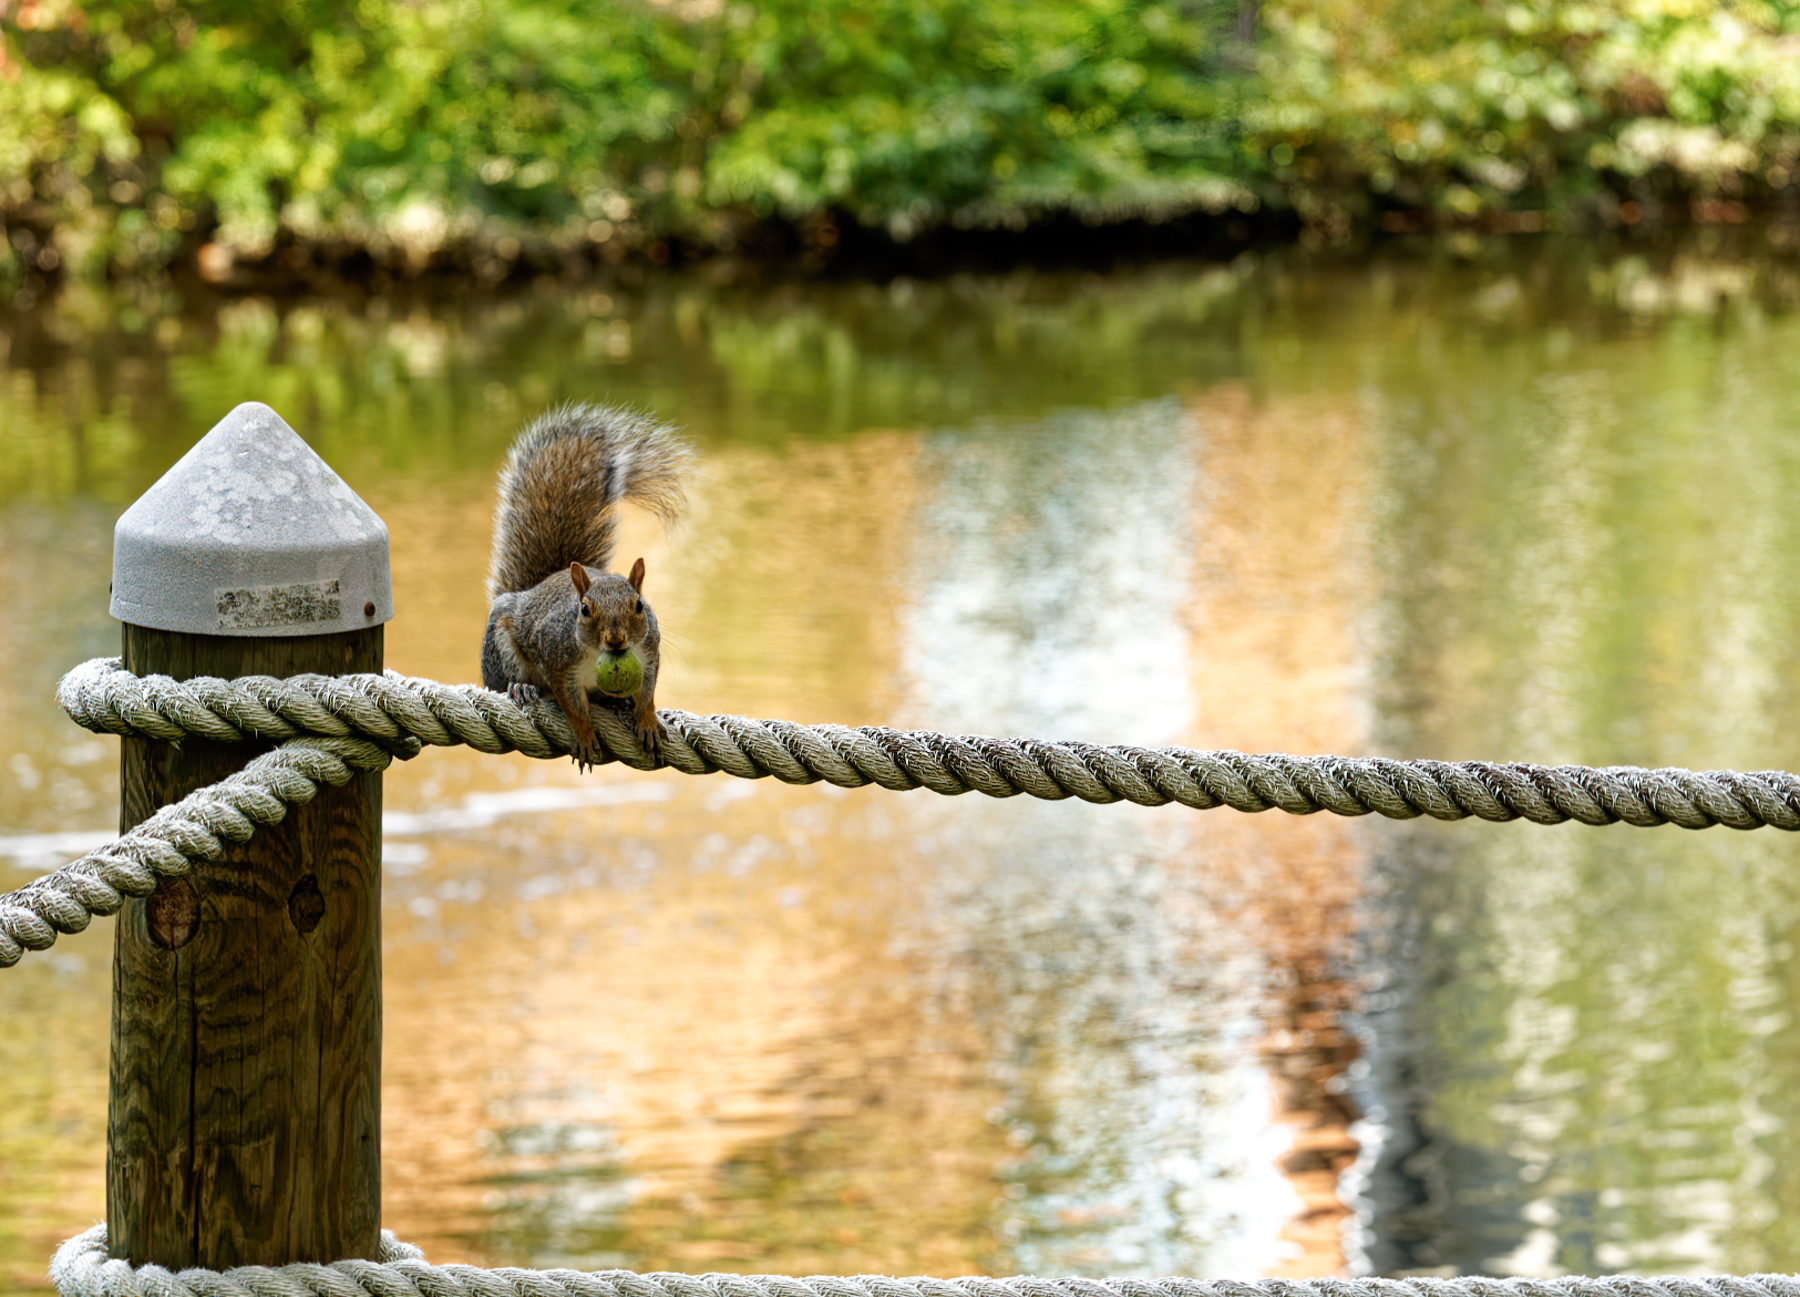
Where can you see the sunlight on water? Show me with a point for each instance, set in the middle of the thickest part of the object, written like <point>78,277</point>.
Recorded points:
<point>1049,576</point>
<point>1523,503</point>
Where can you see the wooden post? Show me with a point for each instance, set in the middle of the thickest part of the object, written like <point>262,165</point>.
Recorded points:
<point>244,1117</point>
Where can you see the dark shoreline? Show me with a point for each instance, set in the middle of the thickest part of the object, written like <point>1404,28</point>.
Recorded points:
<point>837,250</point>
<point>788,257</point>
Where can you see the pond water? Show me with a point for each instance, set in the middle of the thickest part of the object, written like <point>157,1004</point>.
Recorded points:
<point>1510,500</point>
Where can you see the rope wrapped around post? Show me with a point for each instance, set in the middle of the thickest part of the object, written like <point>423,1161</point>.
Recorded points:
<point>82,1269</point>
<point>198,827</point>
<point>330,724</point>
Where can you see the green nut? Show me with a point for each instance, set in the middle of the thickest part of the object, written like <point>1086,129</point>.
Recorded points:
<point>620,674</point>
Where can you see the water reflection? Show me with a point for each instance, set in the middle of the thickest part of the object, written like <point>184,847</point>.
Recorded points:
<point>1280,664</point>
<point>1054,567</point>
<point>1522,502</point>
<point>1049,576</point>
<point>1590,1034</point>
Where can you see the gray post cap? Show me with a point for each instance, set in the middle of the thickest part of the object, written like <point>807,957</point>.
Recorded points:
<point>251,533</point>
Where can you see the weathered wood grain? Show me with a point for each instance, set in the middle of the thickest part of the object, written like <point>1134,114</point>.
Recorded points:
<point>245,1116</point>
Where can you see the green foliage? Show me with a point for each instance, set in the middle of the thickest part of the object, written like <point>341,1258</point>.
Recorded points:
<point>397,126</point>
<point>408,127</point>
<point>1475,107</point>
<point>981,112</point>
<point>470,132</point>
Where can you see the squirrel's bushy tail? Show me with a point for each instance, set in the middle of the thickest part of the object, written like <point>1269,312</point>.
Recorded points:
<point>567,471</point>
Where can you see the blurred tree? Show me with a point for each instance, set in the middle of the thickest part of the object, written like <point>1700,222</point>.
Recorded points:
<point>1469,107</point>
<point>472,132</point>
<point>907,113</point>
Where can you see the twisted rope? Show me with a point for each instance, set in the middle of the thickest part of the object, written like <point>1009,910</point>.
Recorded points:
<point>82,1269</point>
<point>331,724</point>
<point>198,827</point>
<point>391,708</point>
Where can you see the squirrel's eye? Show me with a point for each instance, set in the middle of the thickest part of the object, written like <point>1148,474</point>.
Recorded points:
<point>639,607</point>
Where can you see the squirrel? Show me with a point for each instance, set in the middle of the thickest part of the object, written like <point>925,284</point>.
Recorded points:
<point>554,607</point>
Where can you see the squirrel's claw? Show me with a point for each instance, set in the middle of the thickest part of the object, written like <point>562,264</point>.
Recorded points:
<point>649,738</point>
<point>522,693</point>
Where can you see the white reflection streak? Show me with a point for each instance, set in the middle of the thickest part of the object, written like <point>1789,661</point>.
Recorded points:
<point>41,852</point>
<point>1060,559</point>
<point>1056,570</point>
<point>481,810</point>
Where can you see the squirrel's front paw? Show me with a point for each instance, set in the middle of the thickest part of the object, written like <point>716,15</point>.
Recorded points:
<point>649,737</point>
<point>522,693</point>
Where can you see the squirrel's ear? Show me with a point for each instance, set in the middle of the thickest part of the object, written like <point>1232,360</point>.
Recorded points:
<point>578,574</point>
<point>637,576</point>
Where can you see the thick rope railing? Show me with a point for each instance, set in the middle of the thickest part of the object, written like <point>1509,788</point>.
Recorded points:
<point>392,709</point>
<point>83,1269</point>
<point>331,725</point>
